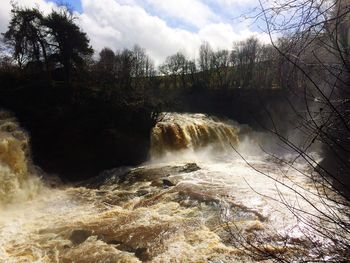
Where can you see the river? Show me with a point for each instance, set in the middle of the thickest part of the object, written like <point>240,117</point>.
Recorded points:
<point>195,200</point>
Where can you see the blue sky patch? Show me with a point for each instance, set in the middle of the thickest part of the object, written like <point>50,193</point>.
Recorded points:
<point>74,4</point>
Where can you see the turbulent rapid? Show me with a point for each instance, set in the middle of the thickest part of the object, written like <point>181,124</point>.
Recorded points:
<point>196,200</point>
<point>16,181</point>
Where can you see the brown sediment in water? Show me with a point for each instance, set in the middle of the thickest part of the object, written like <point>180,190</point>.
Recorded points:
<point>184,132</point>
<point>150,234</point>
<point>174,223</point>
<point>16,183</point>
<point>158,212</point>
<point>183,223</point>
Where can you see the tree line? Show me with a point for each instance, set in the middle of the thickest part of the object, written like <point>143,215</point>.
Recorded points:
<point>55,44</point>
<point>250,64</point>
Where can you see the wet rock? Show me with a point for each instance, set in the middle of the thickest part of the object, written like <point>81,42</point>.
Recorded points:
<point>152,174</point>
<point>108,177</point>
<point>168,182</point>
<point>165,182</point>
<point>127,176</point>
<point>142,254</point>
<point>142,192</point>
<point>190,167</point>
<point>158,183</point>
<point>111,242</point>
<point>78,236</point>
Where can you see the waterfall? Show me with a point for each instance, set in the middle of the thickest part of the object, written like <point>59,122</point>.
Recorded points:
<point>16,181</point>
<point>178,132</point>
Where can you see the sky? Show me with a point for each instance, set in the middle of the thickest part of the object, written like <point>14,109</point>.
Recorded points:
<point>162,27</point>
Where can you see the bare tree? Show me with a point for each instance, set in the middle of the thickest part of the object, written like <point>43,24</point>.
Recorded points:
<point>245,54</point>
<point>177,66</point>
<point>312,42</point>
<point>221,63</point>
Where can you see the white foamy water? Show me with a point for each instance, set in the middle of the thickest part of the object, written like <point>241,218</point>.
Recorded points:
<point>197,200</point>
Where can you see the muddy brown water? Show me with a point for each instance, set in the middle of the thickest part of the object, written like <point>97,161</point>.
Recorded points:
<point>194,201</point>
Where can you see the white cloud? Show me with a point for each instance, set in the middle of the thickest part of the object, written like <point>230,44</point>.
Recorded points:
<point>231,3</point>
<point>222,35</point>
<point>193,12</point>
<point>5,10</point>
<point>4,15</point>
<point>110,23</point>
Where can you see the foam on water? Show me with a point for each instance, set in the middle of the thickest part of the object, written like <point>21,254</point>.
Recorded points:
<point>191,203</point>
<point>16,181</point>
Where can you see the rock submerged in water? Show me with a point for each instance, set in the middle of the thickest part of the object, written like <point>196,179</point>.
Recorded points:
<point>159,176</point>
<point>169,182</point>
<point>165,182</point>
<point>190,167</point>
<point>152,174</point>
<point>78,236</point>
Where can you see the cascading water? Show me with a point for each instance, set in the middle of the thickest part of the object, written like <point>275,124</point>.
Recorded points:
<point>16,182</point>
<point>190,132</point>
<point>191,203</point>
